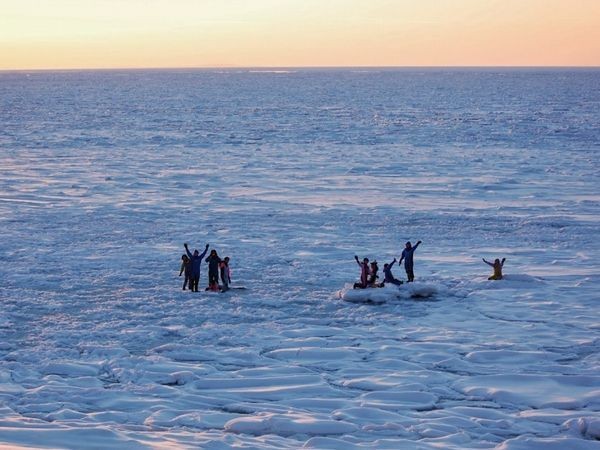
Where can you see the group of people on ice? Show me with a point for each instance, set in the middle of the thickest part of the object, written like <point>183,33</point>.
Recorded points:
<point>190,267</point>
<point>219,268</point>
<point>369,276</point>
<point>368,271</point>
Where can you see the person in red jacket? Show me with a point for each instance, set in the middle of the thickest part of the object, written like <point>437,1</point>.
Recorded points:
<point>364,273</point>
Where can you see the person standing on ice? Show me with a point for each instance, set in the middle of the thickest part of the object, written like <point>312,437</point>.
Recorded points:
<point>186,267</point>
<point>196,261</point>
<point>497,265</point>
<point>225,274</point>
<point>364,273</point>
<point>407,256</point>
<point>213,261</point>
<point>388,276</point>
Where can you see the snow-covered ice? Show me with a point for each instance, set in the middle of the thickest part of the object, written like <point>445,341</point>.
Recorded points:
<point>104,175</point>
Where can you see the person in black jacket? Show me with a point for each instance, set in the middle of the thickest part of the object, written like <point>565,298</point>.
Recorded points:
<point>213,261</point>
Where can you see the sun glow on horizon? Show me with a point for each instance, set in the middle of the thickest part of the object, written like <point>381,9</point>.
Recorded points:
<point>68,34</point>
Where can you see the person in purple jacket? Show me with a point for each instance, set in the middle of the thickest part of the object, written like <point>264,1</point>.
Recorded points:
<point>407,256</point>
<point>196,261</point>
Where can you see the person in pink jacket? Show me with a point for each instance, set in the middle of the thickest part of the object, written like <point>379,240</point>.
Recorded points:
<point>364,273</point>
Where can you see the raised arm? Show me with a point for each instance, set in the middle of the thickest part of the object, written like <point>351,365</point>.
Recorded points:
<point>488,263</point>
<point>390,265</point>
<point>502,262</point>
<point>416,245</point>
<point>204,252</point>
<point>187,250</point>
<point>357,261</point>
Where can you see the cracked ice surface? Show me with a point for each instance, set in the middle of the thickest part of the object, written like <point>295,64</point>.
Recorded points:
<point>103,180</point>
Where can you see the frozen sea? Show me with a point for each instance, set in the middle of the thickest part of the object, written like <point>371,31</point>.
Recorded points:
<point>105,174</point>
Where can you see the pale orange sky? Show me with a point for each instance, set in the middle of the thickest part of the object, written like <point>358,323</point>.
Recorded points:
<point>67,34</point>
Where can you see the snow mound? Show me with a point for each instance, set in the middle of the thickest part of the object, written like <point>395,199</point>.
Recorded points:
<point>289,424</point>
<point>529,443</point>
<point>559,391</point>
<point>416,290</point>
<point>586,427</point>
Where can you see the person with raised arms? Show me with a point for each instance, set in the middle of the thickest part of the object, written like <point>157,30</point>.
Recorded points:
<point>407,256</point>
<point>497,266</point>
<point>196,261</point>
<point>364,273</point>
<point>389,276</point>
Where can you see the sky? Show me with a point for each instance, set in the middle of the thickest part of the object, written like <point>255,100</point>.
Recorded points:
<point>71,34</point>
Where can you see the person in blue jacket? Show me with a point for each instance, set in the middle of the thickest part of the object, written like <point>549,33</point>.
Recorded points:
<point>389,276</point>
<point>196,260</point>
<point>407,256</point>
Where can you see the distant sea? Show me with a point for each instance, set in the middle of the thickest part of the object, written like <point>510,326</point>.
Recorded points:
<point>492,107</point>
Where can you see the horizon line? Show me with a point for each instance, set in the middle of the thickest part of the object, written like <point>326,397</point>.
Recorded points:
<point>217,67</point>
